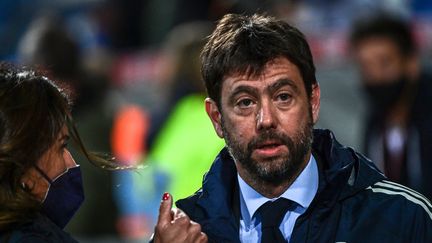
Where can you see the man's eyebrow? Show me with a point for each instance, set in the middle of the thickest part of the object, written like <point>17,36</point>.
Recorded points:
<point>280,83</point>
<point>242,89</point>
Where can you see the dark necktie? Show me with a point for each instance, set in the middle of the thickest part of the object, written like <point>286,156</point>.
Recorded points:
<point>272,214</point>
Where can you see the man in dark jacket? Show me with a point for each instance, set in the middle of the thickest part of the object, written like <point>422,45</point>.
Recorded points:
<point>398,134</point>
<point>279,180</point>
<point>354,202</point>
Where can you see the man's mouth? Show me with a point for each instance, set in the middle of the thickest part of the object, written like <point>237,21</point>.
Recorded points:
<point>269,148</point>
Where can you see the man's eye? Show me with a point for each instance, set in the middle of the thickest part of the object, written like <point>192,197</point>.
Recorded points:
<point>245,103</point>
<point>283,97</point>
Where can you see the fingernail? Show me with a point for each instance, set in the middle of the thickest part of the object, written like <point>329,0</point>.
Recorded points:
<point>165,196</point>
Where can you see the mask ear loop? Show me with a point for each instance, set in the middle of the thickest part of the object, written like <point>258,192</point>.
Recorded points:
<point>43,174</point>
<point>46,178</point>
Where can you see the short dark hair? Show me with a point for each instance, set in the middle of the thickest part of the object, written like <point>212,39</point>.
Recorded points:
<point>392,27</point>
<point>245,44</point>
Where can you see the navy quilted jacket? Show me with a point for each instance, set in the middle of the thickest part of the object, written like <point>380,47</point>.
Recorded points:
<point>354,202</point>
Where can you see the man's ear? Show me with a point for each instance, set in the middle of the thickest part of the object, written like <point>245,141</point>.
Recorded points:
<point>315,102</point>
<point>215,116</point>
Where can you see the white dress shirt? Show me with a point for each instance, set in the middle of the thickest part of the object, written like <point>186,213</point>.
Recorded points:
<point>302,192</point>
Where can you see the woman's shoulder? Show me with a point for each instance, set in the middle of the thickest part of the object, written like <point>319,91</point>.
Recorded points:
<point>39,230</point>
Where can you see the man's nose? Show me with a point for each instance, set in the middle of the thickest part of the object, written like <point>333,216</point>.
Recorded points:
<point>266,117</point>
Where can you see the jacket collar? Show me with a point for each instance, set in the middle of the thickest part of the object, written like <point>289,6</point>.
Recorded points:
<point>343,171</point>
<point>220,199</point>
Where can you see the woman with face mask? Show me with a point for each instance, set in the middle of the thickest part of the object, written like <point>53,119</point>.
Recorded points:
<point>40,183</point>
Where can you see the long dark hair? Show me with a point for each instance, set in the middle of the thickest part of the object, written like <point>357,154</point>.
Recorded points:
<point>33,110</point>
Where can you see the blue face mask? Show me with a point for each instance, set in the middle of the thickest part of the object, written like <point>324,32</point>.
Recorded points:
<point>64,196</point>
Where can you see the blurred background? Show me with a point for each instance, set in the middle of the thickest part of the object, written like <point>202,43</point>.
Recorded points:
<point>133,70</point>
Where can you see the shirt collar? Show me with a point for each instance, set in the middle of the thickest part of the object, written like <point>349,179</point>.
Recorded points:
<point>302,191</point>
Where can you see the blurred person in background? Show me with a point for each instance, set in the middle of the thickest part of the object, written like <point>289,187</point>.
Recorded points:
<point>49,45</point>
<point>398,134</point>
<point>40,183</point>
<point>185,136</point>
<point>176,137</point>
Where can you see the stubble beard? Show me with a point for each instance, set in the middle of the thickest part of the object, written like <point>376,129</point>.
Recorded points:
<point>273,170</point>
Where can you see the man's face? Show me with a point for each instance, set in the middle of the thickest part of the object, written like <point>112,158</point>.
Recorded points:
<point>380,61</point>
<point>267,121</point>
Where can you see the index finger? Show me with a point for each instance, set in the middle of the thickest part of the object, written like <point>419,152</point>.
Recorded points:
<point>165,216</point>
